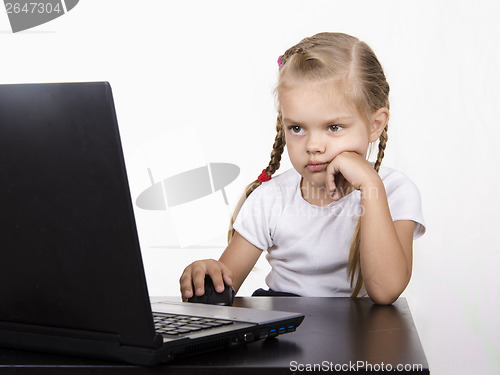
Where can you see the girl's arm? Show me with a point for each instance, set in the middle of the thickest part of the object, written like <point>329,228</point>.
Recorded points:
<point>386,245</point>
<point>240,256</point>
<point>232,268</point>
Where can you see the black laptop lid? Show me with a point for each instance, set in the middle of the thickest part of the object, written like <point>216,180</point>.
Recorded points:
<point>69,252</point>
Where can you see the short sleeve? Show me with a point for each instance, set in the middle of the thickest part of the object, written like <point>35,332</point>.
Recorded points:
<point>404,200</point>
<point>256,221</point>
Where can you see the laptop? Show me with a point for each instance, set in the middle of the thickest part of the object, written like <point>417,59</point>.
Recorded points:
<point>72,278</point>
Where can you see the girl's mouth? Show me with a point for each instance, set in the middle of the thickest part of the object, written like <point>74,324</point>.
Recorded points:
<point>316,167</point>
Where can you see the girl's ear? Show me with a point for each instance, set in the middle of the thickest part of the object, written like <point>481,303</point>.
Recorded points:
<point>378,122</point>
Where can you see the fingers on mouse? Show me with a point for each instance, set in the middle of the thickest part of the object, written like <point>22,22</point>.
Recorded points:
<point>211,296</point>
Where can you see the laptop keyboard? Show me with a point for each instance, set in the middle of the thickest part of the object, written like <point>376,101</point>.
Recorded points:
<point>174,325</point>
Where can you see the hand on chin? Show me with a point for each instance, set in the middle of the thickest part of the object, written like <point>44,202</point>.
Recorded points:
<point>340,188</point>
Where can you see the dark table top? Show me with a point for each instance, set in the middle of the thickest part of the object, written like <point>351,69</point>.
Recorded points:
<point>338,335</point>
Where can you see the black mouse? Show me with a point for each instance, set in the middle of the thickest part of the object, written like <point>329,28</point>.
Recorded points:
<point>211,296</point>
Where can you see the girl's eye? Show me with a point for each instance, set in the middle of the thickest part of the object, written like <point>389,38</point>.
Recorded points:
<point>296,129</point>
<point>334,128</point>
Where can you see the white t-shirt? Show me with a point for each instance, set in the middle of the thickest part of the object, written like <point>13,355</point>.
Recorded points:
<point>307,245</point>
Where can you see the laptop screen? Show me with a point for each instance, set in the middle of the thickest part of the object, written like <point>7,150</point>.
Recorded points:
<point>70,255</point>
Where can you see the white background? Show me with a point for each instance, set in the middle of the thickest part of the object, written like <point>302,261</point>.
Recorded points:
<point>211,66</point>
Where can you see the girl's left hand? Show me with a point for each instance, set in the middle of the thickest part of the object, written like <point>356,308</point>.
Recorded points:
<point>348,171</point>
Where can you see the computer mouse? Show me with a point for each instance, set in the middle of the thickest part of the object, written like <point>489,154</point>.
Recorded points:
<point>211,296</point>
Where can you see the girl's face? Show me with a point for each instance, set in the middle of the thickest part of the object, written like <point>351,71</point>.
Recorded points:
<point>319,125</point>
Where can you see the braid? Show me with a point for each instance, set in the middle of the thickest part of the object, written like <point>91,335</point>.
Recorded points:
<point>304,46</point>
<point>354,263</point>
<point>278,148</point>
<point>381,148</point>
<point>273,166</point>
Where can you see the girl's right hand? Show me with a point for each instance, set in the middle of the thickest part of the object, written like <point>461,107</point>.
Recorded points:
<point>194,275</point>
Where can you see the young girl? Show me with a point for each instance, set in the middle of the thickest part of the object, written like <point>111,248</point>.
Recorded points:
<point>335,224</point>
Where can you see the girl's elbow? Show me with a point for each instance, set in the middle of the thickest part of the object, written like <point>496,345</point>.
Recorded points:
<point>386,295</point>
<point>383,298</point>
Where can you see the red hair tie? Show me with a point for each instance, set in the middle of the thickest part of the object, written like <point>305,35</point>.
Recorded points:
<point>263,177</point>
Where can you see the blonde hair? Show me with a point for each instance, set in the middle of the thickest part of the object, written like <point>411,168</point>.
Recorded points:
<point>355,70</point>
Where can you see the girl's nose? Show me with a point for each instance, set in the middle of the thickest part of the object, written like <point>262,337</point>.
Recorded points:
<point>315,144</point>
